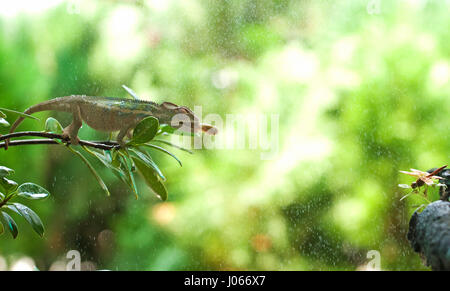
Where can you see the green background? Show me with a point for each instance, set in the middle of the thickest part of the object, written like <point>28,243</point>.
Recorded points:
<point>360,95</point>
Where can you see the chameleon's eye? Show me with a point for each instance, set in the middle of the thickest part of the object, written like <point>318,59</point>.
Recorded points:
<point>169,105</point>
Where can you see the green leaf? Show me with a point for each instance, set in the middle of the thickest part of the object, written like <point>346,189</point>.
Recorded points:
<point>1,229</point>
<point>165,128</point>
<point>145,131</point>
<point>105,159</point>
<point>433,194</point>
<point>406,196</point>
<point>52,125</point>
<point>3,122</point>
<point>119,170</point>
<point>147,160</point>
<point>12,208</point>
<point>8,185</point>
<point>172,145</point>
<point>9,223</point>
<point>32,191</point>
<point>152,179</point>
<point>93,171</point>
<point>164,151</point>
<point>2,196</point>
<point>130,181</point>
<point>31,217</point>
<point>4,171</point>
<point>19,113</point>
<point>113,157</point>
<point>2,115</point>
<point>126,157</point>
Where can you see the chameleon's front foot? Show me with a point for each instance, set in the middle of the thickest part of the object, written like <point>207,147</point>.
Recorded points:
<point>121,136</point>
<point>74,140</point>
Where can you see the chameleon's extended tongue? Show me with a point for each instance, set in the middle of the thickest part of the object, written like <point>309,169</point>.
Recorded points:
<point>209,129</point>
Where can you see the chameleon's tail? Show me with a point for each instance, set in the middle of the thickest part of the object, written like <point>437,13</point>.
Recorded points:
<point>44,106</point>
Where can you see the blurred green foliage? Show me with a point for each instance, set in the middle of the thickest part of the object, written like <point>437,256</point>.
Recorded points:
<point>359,96</point>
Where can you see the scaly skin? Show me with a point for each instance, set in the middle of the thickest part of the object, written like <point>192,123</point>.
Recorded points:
<point>115,114</point>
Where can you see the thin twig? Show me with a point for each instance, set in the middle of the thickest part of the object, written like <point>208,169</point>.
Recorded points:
<point>99,145</point>
<point>31,133</point>
<point>104,145</point>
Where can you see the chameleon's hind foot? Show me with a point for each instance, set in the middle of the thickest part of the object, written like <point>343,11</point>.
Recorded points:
<point>75,141</point>
<point>122,143</point>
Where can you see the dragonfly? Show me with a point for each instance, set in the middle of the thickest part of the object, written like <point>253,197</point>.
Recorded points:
<point>423,178</point>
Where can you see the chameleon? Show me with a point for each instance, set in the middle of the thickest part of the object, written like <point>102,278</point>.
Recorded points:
<point>110,114</point>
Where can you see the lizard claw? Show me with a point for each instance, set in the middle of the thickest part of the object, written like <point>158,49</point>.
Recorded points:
<point>73,140</point>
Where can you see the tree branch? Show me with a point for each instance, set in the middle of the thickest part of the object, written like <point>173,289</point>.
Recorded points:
<point>104,145</point>
<point>31,133</point>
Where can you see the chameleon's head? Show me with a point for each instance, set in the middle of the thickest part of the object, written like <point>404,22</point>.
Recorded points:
<point>182,118</point>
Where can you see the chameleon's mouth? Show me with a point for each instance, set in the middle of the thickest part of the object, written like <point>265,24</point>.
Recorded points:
<point>209,129</point>
<point>196,127</point>
<point>185,120</point>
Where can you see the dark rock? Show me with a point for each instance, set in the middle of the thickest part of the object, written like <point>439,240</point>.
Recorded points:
<point>429,234</point>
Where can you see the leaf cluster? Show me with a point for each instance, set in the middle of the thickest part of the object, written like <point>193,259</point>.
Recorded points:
<point>9,192</point>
